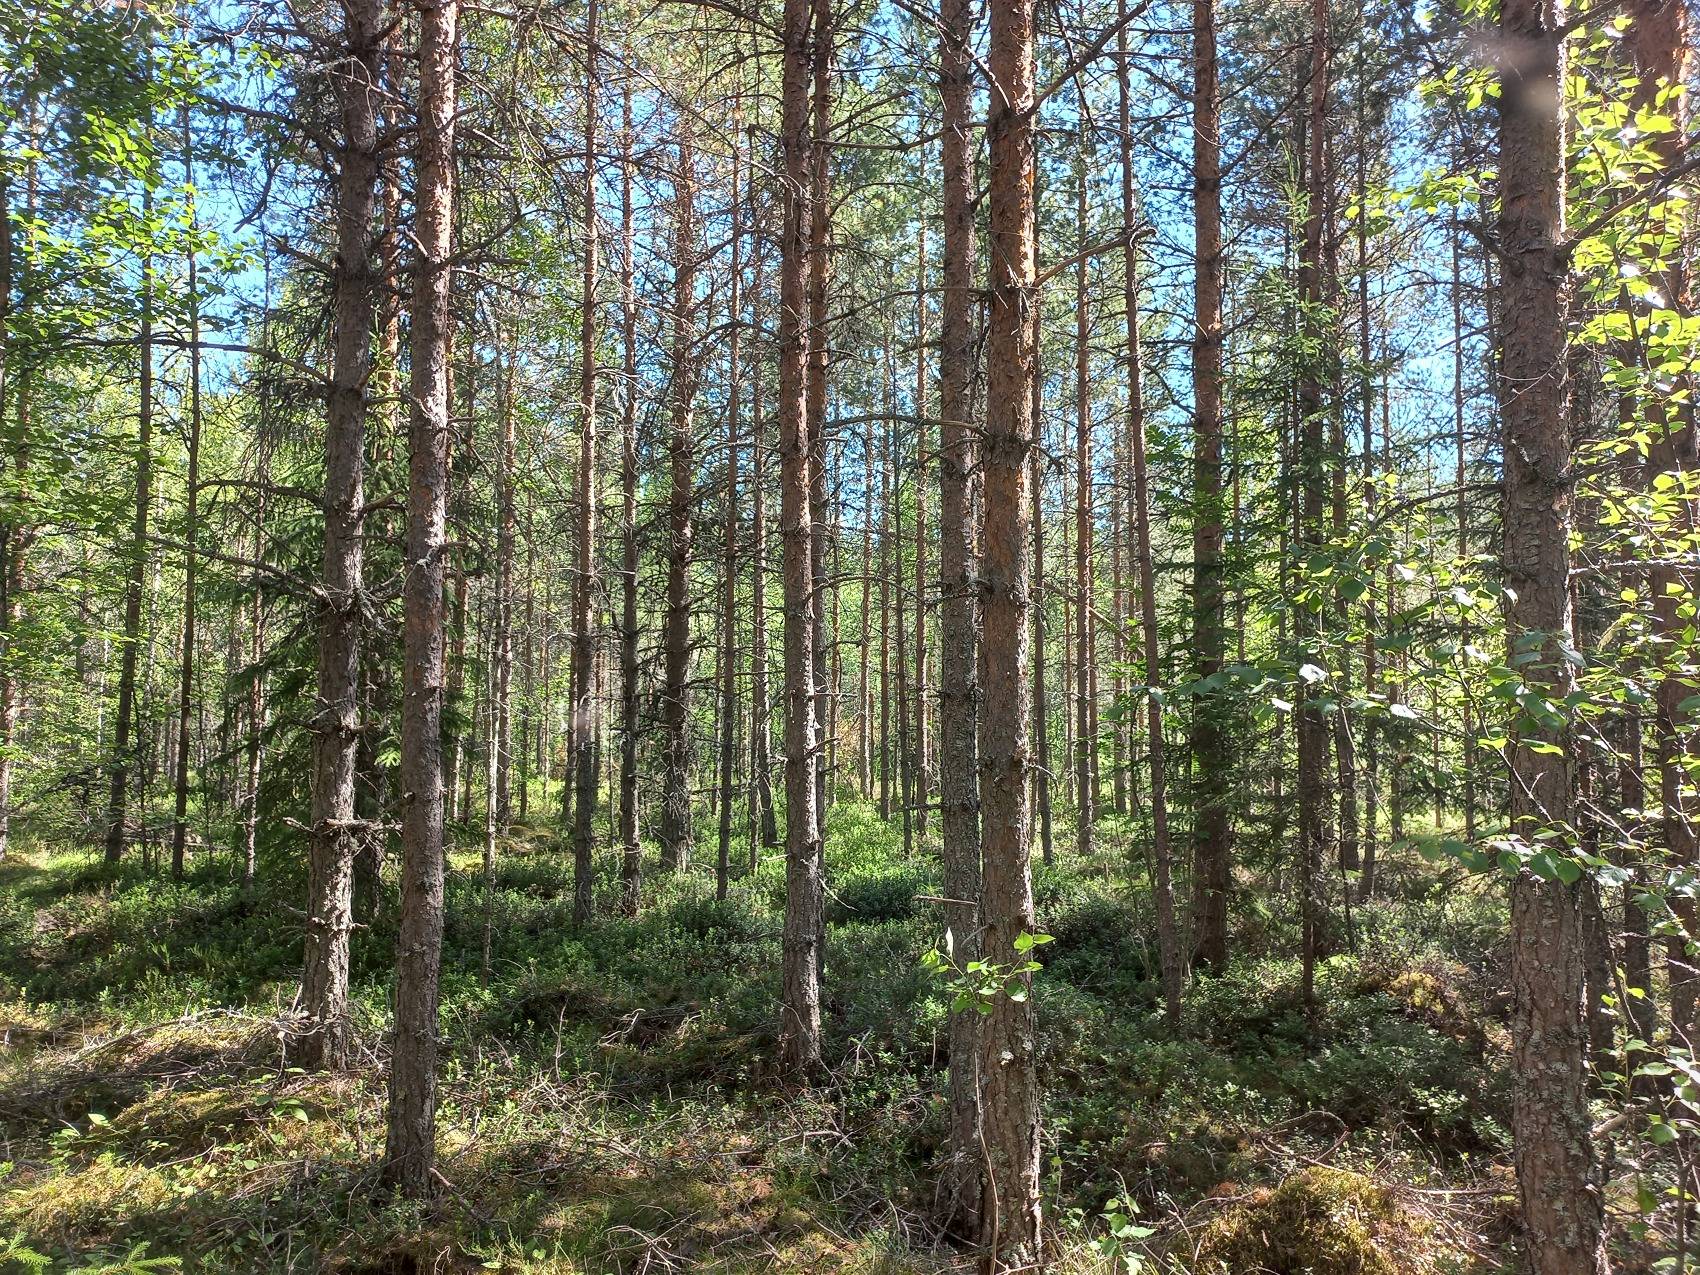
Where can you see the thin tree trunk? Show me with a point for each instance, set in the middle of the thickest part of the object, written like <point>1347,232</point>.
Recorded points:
<point>1085,733</point>
<point>729,549</point>
<point>254,745</point>
<point>123,748</point>
<point>191,531</point>
<point>586,733</point>
<point>820,236</point>
<point>1312,722</point>
<point>1659,44</point>
<point>761,746</point>
<point>905,751</point>
<point>885,629</point>
<point>631,853</point>
<point>409,1150</point>
<point>1209,744</point>
<point>13,531</point>
<point>1168,931</point>
<point>799,1015</point>
<point>1041,699</point>
<point>923,737</point>
<point>1372,779</point>
<point>959,753</point>
<point>864,690</point>
<point>681,449</point>
<point>499,719</point>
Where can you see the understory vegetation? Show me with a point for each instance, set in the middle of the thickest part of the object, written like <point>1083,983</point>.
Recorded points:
<point>609,1102</point>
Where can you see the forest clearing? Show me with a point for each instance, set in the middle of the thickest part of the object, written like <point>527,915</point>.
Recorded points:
<point>844,635</point>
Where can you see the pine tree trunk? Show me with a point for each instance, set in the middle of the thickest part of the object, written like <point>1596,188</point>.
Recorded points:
<point>1172,962</point>
<point>1085,733</point>
<point>631,851</point>
<point>820,236</point>
<point>1010,1230</point>
<point>729,548</point>
<point>761,747</point>
<point>409,1150</point>
<point>12,532</point>
<point>1209,744</point>
<point>923,736</point>
<point>337,733</point>
<point>1557,1173</point>
<point>959,753</point>
<point>1041,698</point>
<point>1658,42</point>
<point>191,532</point>
<point>681,448</point>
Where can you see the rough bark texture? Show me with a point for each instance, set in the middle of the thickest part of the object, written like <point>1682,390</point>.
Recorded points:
<point>1209,744</point>
<point>334,830</point>
<point>799,1011</point>
<point>410,1145</point>
<point>681,449</point>
<point>586,734</point>
<point>1557,1174</point>
<point>1010,1231</point>
<point>959,753</point>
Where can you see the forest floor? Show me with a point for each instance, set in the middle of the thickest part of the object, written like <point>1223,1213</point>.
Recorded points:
<point>609,1105</point>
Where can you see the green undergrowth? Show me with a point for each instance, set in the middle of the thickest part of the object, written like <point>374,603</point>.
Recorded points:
<point>610,1103</point>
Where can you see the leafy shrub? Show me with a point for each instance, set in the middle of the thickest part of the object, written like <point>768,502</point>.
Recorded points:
<point>871,896</point>
<point>1098,944</point>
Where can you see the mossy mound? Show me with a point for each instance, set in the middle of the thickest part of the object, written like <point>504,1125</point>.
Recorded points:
<point>1318,1221</point>
<point>1427,998</point>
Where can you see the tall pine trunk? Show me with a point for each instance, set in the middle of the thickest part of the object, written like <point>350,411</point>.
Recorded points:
<point>191,527</point>
<point>959,753</point>
<point>681,451</point>
<point>1658,42</point>
<point>631,851</point>
<point>1209,745</point>
<point>409,1150</point>
<point>1558,1176</point>
<point>1010,1230</point>
<point>334,831</point>
<point>729,546</point>
<point>1162,846</point>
